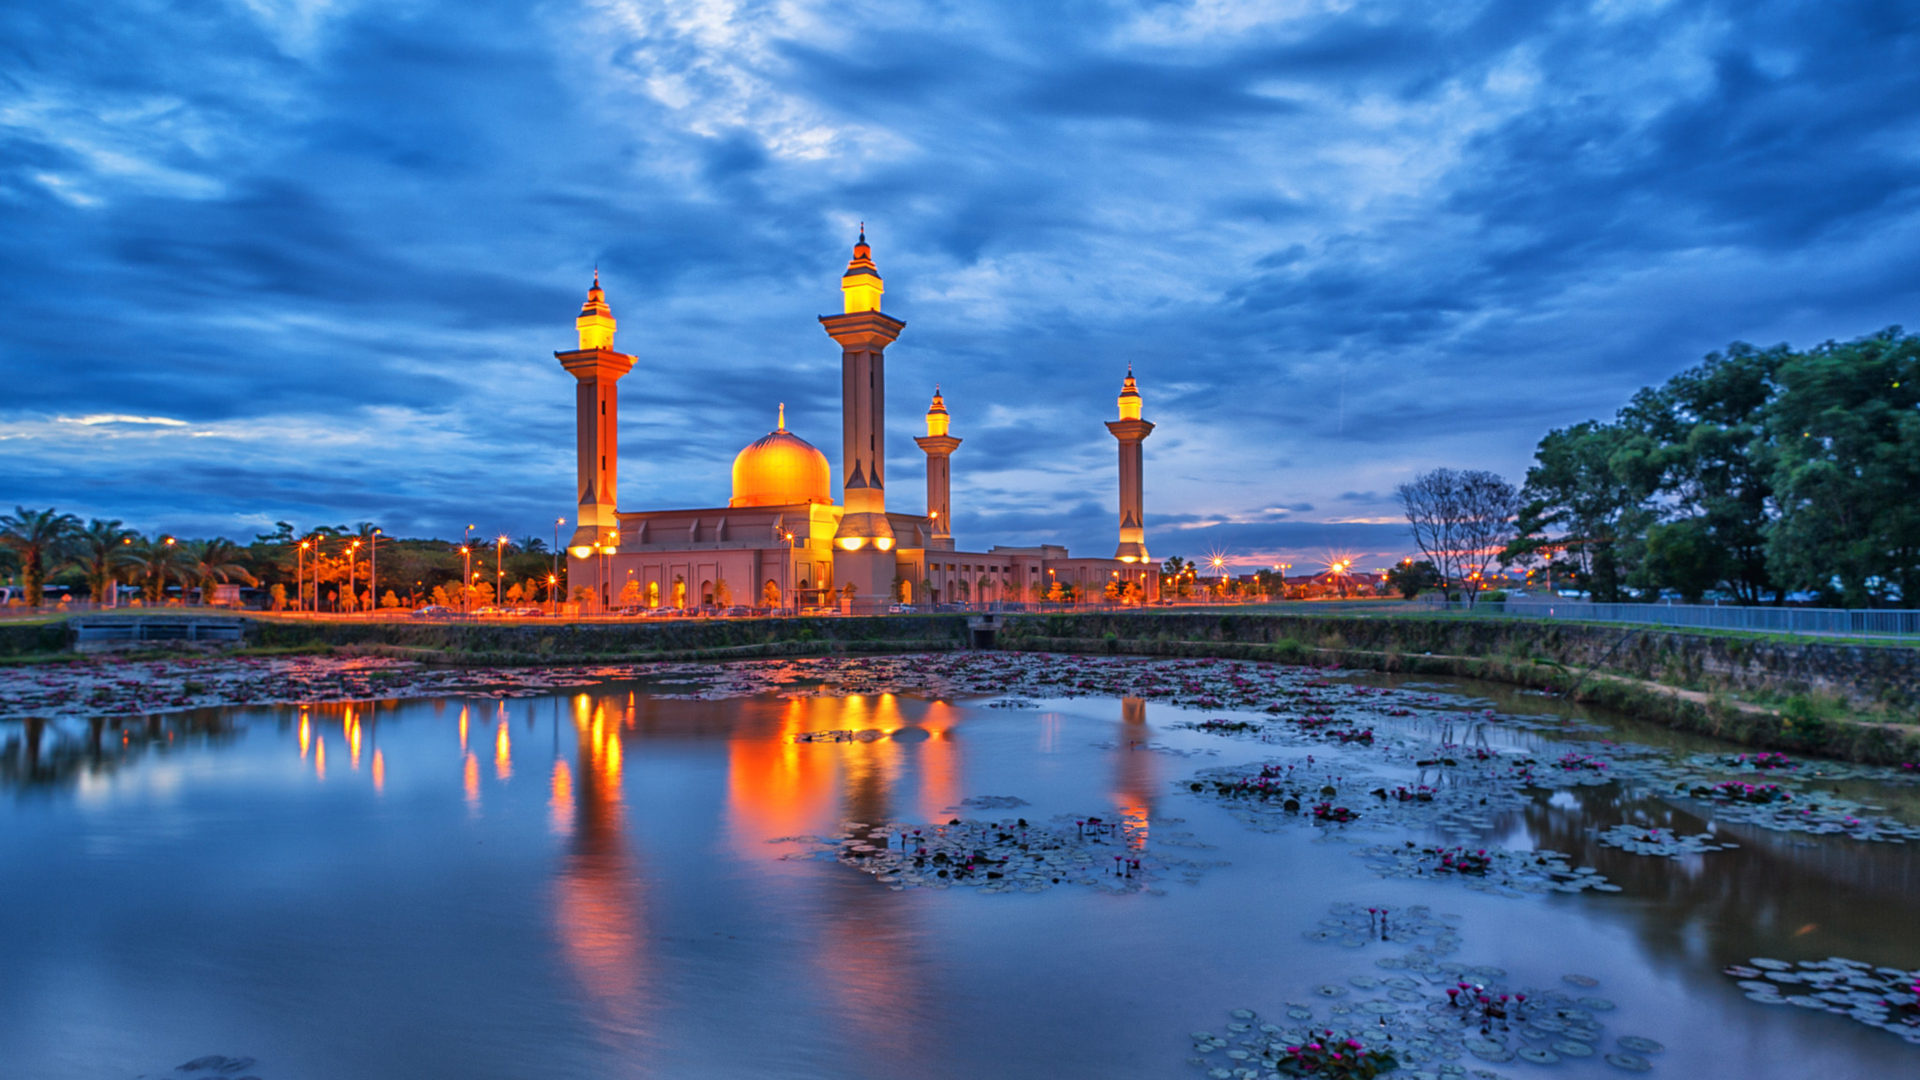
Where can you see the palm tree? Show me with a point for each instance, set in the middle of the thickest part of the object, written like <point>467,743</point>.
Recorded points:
<point>39,537</point>
<point>215,560</point>
<point>100,549</point>
<point>160,560</point>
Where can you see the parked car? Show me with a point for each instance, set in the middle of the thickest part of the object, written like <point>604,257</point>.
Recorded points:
<point>433,611</point>
<point>900,609</point>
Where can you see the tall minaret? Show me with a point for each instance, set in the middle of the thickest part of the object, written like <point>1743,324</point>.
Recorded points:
<point>1131,431</point>
<point>939,447</point>
<point>863,547</point>
<point>596,419</point>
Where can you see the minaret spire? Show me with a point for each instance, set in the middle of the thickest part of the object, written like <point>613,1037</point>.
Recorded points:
<point>864,562</point>
<point>783,417</point>
<point>939,447</point>
<point>1131,431</point>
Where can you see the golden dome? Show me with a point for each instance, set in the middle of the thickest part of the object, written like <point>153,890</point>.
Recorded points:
<point>781,469</point>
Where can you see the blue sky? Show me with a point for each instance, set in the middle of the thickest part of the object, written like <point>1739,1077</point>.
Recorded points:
<point>308,260</point>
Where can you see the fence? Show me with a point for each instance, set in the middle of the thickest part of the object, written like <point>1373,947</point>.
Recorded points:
<point>1862,622</point>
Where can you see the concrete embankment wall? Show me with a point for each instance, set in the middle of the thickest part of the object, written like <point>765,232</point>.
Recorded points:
<point>1863,675</point>
<point>1825,696</point>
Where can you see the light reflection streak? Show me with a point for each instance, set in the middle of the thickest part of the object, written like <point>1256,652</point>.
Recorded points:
<point>470,777</point>
<point>1135,776</point>
<point>560,805</point>
<point>306,735</point>
<point>502,752</point>
<point>379,770</point>
<point>320,758</point>
<point>598,903</point>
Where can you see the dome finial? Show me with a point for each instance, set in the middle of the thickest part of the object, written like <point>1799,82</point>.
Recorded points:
<point>783,417</point>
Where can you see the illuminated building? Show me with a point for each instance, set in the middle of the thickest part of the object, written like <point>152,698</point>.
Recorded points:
<point>780,540</point>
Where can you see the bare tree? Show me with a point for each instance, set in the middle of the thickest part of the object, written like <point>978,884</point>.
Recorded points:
<point>1461,519</point>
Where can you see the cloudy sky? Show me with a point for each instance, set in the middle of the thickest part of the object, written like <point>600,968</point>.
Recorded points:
<point>308,260</point>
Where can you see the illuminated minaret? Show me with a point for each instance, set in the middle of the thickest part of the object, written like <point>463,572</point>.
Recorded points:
<point>863,547</point>
<point>1131,431</point>
<point>596,421</point>
<point>939,447</point>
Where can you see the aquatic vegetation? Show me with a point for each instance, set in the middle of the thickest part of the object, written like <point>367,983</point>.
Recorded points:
<point>1498,870</point>
<point>1005,855</point>
<point>1647,840</point>
<point>1881,997</point>
<point>1223,727</point>
<point>1741,791</point>
<point>1423,1010</point>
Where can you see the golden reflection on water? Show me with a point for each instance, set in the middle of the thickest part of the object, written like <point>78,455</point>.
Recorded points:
<point>502,752</point>
<point>379,770</point>
<point>470,782</point>
<point>598,901</point>
<point>306,736</point>
<point>1135,778</point>
<point>352,725</point>
<point>320,758</point>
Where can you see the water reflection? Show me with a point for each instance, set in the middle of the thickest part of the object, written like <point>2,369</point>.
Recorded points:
<point>598,898</point>
<point>1136,778</point>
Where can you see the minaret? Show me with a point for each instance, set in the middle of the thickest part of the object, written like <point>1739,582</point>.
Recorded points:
<point>596,421</point>
<point>939,447</point>
<point>863,547</point>
<point>1131,431</point>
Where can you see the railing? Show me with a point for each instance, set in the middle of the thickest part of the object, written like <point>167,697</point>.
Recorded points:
<point>1858,622</point>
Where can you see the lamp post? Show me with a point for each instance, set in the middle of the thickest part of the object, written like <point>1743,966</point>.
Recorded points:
<point>499,551</point>
<point>353,552</point>
<point>553,579</point>
<point>786,575</point>
<point>466,577</point>
<point>300,579</point>
<point>373,569</point>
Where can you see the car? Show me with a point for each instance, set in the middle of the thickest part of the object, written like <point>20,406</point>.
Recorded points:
<point>433,611</point>
<point>900,609</point>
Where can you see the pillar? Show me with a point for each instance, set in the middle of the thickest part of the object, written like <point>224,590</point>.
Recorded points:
<point>939,447</point>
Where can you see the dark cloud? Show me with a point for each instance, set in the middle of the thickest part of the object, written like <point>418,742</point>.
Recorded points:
<point>336,246</point>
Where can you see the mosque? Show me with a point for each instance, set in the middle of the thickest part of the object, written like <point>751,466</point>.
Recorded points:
<point>781,541</point>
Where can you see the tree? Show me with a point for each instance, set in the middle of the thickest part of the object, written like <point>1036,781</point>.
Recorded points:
<point>101,550</point>
<point>1711,459</point>
<point>216,560</point>
<point>1584,509</point>
<point>1410,578</point>
<point>1847,426</point>
<point>159,561</point>
<point>631,594</point>
<point>722,593</point>
<point>390,599</point>
<point>1461,519</point>
<point>770,594</point>
<point>1685,556</point>
<point>39,538</point>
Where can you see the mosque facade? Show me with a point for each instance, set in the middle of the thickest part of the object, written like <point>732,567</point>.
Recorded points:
<point>781,541</point>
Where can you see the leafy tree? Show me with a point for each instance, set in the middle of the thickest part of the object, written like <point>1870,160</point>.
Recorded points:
<point>1409,578</point>
<point>1847,426</point>
<point>722,593</point>
<point>631,594</point>
<point>770,594</point>
<point>158,562</point>
<point>39,538</point>
<point>1685,556</point>
<point>101,550</point>
<point>216,560</point>
<point>1584,506</point>
<point>1711,462</point>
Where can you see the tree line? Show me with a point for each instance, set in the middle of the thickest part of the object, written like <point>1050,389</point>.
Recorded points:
<point>1755,475</point>
<point>330,567</point>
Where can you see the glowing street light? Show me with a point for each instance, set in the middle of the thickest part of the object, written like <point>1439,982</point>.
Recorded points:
<point>499,551</point>
<point>466,579</point>
<point>300,579</point>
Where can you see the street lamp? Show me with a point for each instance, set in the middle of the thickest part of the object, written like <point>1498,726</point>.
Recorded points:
<point>553,578</point>
<point>499,550</point>
<point>352,562</point>
<point>466,576</point>
<point>300,579</point>
<point>373,569</point>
